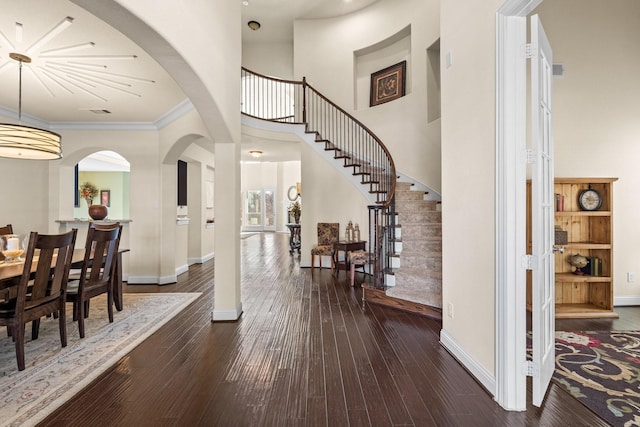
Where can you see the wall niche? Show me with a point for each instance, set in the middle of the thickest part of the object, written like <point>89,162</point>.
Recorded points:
<point>383,54</point>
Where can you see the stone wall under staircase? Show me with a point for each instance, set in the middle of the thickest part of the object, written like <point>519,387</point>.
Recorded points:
<point>419,276</point>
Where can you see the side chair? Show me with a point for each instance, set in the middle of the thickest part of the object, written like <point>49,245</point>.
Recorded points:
<point>41,289</point>
<point>6,229</point>
<point>98,269</point>
<point>328,234</point>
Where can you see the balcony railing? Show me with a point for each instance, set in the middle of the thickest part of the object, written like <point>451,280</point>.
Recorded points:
<point>352,143</point>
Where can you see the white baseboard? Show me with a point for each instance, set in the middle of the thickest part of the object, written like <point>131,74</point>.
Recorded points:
<point>142,280</point>
<point>201,259</point>
<point>165,280</point>
<point>478,371</point>
<point>182,269</point>
<point>624,301</point>
<point>226,315</point>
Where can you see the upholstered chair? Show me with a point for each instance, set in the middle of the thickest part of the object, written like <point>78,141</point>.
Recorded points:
<point>328,234</point>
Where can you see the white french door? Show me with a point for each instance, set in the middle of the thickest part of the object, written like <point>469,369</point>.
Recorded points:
<point>259,210</point>
<point>543,269</point>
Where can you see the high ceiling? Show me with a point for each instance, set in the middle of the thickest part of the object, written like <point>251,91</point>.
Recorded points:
<point>82,70</point>
<point>276,16</point>
<point>79,64</point>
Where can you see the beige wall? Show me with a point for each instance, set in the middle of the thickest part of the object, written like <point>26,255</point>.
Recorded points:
<point>325,52</point>
<point>269,59</point>
<point>25,195</point>
<point>596,127</point>
<point>326,197</point>
<point>468,176</point>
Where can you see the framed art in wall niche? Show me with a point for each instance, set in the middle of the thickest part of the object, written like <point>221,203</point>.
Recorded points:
<point>388,84</point>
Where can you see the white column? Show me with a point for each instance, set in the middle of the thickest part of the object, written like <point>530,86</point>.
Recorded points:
<point>227,300</point>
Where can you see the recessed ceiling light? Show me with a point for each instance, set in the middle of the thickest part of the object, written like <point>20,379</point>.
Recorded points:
<point>245,2</point>
<point>254,25</point>
<point>255,153</point>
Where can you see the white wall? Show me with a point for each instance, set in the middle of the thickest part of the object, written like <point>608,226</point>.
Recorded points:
<point>290,174</point>
<point>324,52</point>
<point>596,127</point>
<point>277,175</point>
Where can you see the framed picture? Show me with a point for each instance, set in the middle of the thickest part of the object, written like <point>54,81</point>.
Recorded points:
<point>388,84</point>
<point>105,197</point>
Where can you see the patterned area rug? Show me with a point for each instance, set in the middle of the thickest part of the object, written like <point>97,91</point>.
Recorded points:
<point>54,374</point>
<point>602,370</point>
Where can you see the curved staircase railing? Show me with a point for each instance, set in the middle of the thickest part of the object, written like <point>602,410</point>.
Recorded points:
<point>352,143</point>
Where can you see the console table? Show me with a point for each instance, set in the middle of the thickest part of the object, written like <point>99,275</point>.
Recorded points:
<point>344,246</point>
<point>294,237</point>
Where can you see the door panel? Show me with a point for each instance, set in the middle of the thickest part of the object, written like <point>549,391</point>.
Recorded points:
<point>543,274</point>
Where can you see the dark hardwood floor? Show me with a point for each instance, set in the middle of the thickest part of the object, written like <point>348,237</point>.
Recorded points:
<point>306,352</point>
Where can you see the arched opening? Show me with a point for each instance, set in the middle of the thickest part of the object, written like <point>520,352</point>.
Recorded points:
<point>109,173</point>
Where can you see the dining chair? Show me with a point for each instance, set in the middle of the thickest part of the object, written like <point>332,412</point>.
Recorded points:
<point>328,234</point>
<point>41,291</point>
<point>6,229</point>
<point>98,269</point>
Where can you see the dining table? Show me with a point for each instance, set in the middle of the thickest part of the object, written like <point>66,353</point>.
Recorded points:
<point>10,274</point>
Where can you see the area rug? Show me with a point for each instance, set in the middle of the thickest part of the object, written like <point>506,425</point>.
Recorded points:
<point>54,374</point>
<point>602,370</point>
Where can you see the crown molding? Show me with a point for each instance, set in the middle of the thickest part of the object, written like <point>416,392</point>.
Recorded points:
<point>167,118</point>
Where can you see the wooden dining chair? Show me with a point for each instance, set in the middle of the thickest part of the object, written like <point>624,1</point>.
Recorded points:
<point>6,229</point>
<point>98,269</point>
<point>41,290</point>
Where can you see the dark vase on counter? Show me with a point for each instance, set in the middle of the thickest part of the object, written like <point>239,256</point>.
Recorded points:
<point>98,212</point>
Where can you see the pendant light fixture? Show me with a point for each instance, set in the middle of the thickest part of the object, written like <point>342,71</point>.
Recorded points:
<point>24,142</point>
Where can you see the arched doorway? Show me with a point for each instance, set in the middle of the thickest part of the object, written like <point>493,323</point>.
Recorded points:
<point>109,172</point>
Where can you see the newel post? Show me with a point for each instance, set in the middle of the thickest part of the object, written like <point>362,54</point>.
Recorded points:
<point>304,100</point>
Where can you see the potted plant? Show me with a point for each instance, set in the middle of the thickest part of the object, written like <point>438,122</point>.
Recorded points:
<point>295,210</point>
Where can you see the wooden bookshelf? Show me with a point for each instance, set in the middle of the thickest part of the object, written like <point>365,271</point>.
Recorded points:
<point>590,234</point>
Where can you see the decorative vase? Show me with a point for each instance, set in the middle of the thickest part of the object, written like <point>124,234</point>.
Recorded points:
<point>98,212</point>
<point>296,217</point>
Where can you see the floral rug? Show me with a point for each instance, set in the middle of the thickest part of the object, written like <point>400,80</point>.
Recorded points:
<point>602,370</point>
<point>54,374</point>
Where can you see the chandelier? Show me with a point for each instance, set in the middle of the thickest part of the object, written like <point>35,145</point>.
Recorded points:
<point>24,142</point>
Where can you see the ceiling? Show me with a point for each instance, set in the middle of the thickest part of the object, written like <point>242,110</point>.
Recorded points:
<point>82,70</point>
<point>276,16</point>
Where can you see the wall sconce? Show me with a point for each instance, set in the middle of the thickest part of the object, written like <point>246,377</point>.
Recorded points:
<point>294,192</point>
<point>254,25</point>
<point>255,153</point>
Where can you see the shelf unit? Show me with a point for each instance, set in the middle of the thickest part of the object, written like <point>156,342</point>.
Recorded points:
<point>590,234</point>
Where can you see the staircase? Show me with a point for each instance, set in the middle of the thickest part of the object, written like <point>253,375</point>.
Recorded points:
<point>416,245</point>
<point>418,276</point>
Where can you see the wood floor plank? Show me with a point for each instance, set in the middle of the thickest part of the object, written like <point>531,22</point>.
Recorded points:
<point>305,352</point>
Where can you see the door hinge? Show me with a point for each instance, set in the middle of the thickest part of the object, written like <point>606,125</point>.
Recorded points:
<point>530,156</point>
<point>528,261</point>
<point>529,369</point>
<point>529,50</point>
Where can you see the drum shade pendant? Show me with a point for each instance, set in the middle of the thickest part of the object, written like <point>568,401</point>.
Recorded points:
<point>24,142</point>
